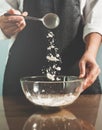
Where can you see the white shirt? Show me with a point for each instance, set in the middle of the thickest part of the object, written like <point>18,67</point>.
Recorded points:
<point>91,12</point>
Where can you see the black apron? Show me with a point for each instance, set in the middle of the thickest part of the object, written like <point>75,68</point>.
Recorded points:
<point>27,55</point>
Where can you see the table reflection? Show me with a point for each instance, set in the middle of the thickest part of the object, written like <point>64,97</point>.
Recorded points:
<point>61,120</point>
<point>23,115</point>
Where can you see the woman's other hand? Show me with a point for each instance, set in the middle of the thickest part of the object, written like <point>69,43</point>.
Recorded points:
<point>89,69</point>
<point>11,25</point>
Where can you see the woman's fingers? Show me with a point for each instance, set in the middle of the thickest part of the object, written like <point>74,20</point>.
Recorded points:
<point>13,28</point>
<point>89,70</point>
<point>11,25</point>
<point>82,68</point>
<point>91,75</point>
<point>13,11</point>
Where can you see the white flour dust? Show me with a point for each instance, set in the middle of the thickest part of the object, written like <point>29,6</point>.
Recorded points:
<point>53,59</point>
<point>53,100</point>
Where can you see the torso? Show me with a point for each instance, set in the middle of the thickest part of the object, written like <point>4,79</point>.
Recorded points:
<point>29,50</point>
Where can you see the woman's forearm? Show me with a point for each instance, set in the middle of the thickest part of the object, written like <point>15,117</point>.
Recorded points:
<point>93,42</point>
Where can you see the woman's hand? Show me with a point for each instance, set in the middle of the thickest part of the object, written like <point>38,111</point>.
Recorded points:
<point>11,25</point>
<point>89,69</point>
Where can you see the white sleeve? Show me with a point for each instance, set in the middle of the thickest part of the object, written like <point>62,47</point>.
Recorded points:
<point>5,5</point>
<point>92,17</point>
<point>2,36</point>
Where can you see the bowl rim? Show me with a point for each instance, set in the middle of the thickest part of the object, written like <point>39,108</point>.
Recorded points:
<point>75,78</point>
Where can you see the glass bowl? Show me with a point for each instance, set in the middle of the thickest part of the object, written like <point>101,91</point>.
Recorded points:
<point>42,91</point>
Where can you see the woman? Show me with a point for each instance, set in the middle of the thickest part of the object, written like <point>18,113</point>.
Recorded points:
<point>78,38</point>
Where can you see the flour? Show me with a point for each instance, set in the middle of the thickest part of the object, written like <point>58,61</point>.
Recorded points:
<point>53,59</point>
<point>52,100</point>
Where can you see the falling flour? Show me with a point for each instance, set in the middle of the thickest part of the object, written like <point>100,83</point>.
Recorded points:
<point>53,59</point>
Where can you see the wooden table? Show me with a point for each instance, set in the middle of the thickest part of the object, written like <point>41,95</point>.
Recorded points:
<point>17,113</point>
